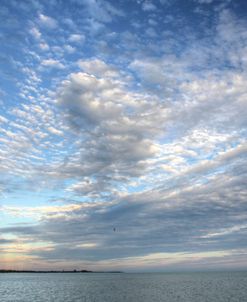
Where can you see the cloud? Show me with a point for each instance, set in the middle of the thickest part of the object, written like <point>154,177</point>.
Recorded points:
<point>47,21</point>
<point>52,63</point>
<point>35,33</point>
<point>103,11</point>
<point>55,131</point>
<point>44,46</point>
<point>76,38</point>
<point>98,68</point>
<point>148,6</point>
<point>69,49</point>
<point>185,220</point>
<point>205,1</point>
<point>114,125</point>
<point>3,119</point>
<point>226,231</point>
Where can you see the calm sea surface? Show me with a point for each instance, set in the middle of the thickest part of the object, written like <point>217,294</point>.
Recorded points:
<point>167,287</point>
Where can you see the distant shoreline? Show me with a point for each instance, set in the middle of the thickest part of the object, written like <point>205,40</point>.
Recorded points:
<point>56,272</point>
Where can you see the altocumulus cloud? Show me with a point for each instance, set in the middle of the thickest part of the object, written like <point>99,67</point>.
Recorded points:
<point>123,146</point>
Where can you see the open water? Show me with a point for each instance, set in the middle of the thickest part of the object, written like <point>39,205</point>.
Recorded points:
<point>117,287</point>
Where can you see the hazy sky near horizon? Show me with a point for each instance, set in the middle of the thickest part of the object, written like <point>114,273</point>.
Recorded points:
<point>123,134</point>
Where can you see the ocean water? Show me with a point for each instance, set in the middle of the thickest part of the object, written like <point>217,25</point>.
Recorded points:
<point>117,287</point>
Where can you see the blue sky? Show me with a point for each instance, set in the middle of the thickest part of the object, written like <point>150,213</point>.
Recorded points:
<point>123,114</point>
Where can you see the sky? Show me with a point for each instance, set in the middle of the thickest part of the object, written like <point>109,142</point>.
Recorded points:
<point>123,134</point>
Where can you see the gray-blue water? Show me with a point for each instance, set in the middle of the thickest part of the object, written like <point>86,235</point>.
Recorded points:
<point>165,287</point>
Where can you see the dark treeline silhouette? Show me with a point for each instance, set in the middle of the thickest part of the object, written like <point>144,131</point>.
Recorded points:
<point>51,271</point>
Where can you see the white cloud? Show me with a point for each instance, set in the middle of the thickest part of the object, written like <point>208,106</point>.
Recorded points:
<point>76,38</point>
<point>120,122</point>
<point>52,63</point>
<point>47,21</point>
<point>35,33</point>
<point>3,119</point>
<point>44,46</point>
<point>55,131</point>
<point>69,49</point>
<point>98,68</point>
<point>226,231</point>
